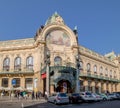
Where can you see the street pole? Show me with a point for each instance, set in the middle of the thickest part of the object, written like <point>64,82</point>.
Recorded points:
<point>47,73</point>
<point>77,89</point>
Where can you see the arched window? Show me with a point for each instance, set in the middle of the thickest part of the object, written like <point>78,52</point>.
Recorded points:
<point>6,64</point>
<point>110,73</point>
<point>29,63</point>
<point>58,61</point>
<point>88,67</point>
<point>115,74</point>
<point>95,69</point>
<point>101,70</point>
<point>81,65</point>
<point>17,65</point>
<point>106,72</point>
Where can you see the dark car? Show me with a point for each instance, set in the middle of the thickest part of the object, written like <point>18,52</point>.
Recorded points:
<point>117,95</point>
<point>75,98</point>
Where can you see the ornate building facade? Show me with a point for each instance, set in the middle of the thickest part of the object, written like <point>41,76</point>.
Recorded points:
<point>24,62</point>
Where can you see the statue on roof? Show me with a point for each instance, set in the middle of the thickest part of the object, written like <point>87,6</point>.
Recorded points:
<point>55,18</point>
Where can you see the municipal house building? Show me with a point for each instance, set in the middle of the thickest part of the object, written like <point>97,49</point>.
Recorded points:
<point>53,61</point>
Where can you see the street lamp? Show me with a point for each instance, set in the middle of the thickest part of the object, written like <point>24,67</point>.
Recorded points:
<point>77,57</point>
<point>47,72</point>
<point>77,89</point>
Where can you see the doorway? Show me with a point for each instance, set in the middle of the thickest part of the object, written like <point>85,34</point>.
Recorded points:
<point>64,86</point>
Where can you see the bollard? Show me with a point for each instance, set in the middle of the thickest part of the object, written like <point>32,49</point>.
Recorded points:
<point>22,106</point>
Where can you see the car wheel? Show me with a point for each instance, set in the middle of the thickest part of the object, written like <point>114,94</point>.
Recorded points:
<point>104,99</point>
<point>55,102</point>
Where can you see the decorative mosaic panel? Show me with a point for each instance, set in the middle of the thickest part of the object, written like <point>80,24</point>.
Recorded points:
<point>58,37</point>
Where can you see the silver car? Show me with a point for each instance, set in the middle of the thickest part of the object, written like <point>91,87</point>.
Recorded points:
<point>87,96</point>
<point>58,98</point>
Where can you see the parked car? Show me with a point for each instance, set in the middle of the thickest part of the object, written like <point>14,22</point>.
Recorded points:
<point>58,98</point>
<point>112,96</point>
<point>75,98</point>
<point>87,96</point>
<point>117,95</point>
<point>104,97</point>
<point>97,97</point>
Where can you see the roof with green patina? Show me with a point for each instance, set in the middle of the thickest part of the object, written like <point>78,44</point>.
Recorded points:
<point>54,19</point>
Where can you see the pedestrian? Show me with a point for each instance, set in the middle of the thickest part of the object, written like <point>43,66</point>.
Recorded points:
<point>36,95</point>
<point>33,95</point>
<point>39,94</point>
<point>46,95</point>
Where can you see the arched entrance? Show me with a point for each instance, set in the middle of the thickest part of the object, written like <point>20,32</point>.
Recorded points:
<point>64,86</point>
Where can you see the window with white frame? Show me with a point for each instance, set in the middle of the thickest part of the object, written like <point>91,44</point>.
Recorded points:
<point>6,64</point>
<point>58,61</point>
<point>88,67</point>
<point>95,69</point>
<point>81,65</point>
<point>29,63</point>
<point>17,65</point>
<point>101,70</point>
<point>111,73</point>
<point>106,72</point>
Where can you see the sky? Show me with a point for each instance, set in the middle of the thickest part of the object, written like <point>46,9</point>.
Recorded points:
<point>98,21</point>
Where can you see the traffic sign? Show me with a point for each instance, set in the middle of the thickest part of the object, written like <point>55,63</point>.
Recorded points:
<point>14,82</point>
<point>64,84</point>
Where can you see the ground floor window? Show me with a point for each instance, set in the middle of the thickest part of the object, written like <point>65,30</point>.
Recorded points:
<point>17,82</point>
<point>29,83</point>
<point>5,82</point>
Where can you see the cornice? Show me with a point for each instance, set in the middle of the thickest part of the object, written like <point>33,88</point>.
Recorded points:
<point>97,59</point>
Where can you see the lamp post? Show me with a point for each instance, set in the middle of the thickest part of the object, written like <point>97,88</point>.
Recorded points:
<point>77,89</point>
<point>47,72</point>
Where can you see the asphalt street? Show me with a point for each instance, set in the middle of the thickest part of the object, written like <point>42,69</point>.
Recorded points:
<point>42,103</point>
<point>105,104</point>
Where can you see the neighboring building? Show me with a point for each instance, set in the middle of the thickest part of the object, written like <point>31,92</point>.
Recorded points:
<point>23,62</point>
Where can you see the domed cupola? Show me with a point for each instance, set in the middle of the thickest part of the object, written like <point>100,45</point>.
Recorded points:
<point>55,19</point>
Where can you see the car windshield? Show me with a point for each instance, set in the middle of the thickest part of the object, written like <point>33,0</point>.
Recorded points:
<point>87,93</point>
<point>62,95</point>
<point>75,94</point>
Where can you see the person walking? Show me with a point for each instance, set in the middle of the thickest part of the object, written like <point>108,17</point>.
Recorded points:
<point>33,95</point>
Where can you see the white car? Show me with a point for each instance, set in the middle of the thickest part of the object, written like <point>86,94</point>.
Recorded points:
<point>112,96</point>
<point>58,98</point>
<point>97,97</point>
<point>87,96</point>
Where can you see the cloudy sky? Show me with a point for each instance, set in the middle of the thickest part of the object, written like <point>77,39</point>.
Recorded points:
<point>98,21</point>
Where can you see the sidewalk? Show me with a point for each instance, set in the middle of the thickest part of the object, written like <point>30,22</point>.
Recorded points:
<point>14,102</point>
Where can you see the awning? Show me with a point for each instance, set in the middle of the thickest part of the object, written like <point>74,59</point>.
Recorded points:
<point>43,75</point>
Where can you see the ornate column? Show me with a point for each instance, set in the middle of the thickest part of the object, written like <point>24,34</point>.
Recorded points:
<point>99,87</point>
<point>22,82</point>
<point>113,86</point>
<point>77,89</point>
<point>93,86</point>
<point>109,87</point>
<point>85,84</point>
<point>104,87</point>
<point>47,72</point>
<point>10,82</point>
<point>12,63</point>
